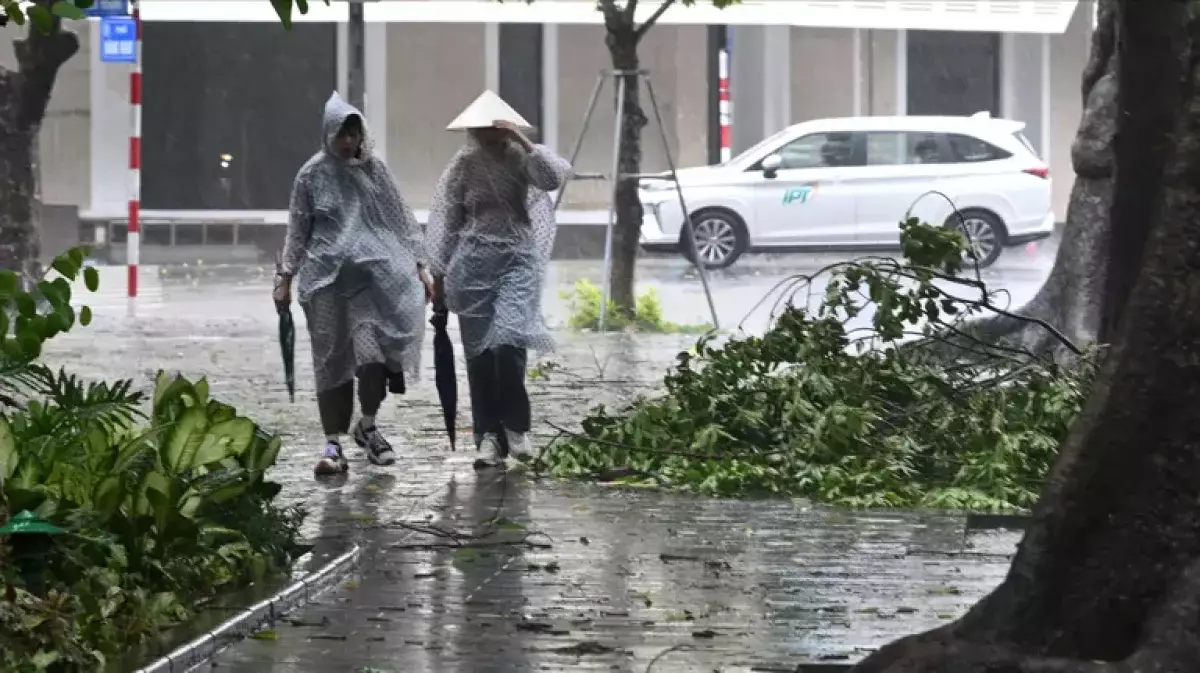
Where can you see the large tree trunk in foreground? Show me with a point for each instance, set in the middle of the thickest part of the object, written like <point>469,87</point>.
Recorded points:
<point>1107,579</point>
<point>1071,297</point>
<point>622,39</point>
<point>24,95</point>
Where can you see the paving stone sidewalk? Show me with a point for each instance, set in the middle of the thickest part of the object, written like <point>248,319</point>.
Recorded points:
<point>565,576</point>
<point>500,573</point>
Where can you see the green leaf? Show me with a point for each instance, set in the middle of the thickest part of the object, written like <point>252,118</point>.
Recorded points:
<point>44,660</point>
<point>9,458</point>
<point>26,306</point>
<point>63,264</point>
<point>85,315</point>
<point>184,440</point>
<point>67,10</point>
<point>10,284</point>
<point>42,19</point>
<point>284,9</point>
<point>91,278</point>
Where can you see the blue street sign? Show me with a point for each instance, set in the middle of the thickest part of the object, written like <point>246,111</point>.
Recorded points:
<point>108,8</point>
<point>118,39</point>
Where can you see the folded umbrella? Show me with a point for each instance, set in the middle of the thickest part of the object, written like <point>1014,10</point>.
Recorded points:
<point>287,342</point>
<point>444,377</point>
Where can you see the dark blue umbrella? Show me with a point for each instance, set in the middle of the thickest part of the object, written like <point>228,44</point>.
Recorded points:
<point>444,377</point>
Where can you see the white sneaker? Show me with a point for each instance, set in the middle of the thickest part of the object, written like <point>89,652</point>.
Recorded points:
<point>519,448</point>
<point>489,446</point>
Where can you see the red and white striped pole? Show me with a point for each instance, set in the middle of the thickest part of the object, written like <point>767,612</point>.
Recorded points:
<point>725,104</point>
<point>133,242</point>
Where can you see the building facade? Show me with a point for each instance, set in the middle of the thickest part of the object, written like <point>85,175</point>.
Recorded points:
<point>232,102</point>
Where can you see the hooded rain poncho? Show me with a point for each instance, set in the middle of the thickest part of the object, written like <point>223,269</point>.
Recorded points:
<point>490,234</point>
<point>354,245</point>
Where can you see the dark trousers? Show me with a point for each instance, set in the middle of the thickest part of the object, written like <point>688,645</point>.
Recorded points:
<point>337,405</point>
<point>498,398</point>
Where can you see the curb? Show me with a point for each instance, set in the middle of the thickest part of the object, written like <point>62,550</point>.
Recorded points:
<point>299,593</point>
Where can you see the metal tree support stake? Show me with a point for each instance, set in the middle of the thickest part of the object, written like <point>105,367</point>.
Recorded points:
<point>618,77</point>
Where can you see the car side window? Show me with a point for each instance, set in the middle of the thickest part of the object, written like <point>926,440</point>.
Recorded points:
<point>968,149</point>
<point>895,148</point>
<point>818,150</point>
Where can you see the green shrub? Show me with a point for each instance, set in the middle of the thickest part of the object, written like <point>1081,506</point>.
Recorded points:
<point>584,301</point>
<point>161,510</point>
<point>817,410</point>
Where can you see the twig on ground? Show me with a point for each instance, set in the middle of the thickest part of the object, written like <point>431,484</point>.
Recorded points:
<point>660,655</point>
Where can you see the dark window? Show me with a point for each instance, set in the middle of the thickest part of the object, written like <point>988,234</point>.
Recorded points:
<point>894,148</point>
<point>953,72</point>
<point>521,69</point>
<point>968,149</point>
<point>231,111</point>
<point>819,150</point>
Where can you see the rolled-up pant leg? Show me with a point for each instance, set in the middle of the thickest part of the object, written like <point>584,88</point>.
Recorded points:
<point>336,407</point>
<point>510,375</point>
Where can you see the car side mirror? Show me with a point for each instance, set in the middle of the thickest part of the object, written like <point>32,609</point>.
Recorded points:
<point>771,164</point>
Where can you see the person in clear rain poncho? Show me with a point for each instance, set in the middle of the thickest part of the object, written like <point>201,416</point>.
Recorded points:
<point>490,234</point>
<point>356,252</point>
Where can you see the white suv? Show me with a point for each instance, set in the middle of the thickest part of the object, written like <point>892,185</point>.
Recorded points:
<point>847,183</point>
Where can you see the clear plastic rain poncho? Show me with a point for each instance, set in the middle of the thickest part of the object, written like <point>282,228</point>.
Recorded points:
<point>354,245</point>
<point>491,231</point>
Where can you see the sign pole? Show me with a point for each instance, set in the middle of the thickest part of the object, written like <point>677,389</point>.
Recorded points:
<point>725,105</point>
<point>134,231</point>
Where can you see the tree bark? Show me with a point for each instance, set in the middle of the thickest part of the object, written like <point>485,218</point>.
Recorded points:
<point>622,40</point>
<point>1107,578</point>
<point>1148,100</point>
<point>24,95</point>
<point>1070,298</point>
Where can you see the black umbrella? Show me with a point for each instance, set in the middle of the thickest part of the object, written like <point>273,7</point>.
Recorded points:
<point>443,365</point>
<point>287,341</point>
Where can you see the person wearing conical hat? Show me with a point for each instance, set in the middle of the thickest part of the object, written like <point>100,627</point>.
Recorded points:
<point>356,252</point>
<point>490,234</point>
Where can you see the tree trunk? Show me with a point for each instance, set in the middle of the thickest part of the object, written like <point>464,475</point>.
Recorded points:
<point>1148,100</point>
<point>19,222</point>
<point>1071,295</point>
<point>24,95</point>
<point>622,40</point>
<point>1107,578</point>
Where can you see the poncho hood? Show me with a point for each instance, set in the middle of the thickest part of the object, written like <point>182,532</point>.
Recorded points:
<point>337,111</point>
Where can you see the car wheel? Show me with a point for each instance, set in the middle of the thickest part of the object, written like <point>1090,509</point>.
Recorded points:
<point>985,235</point>
<point>720,238</point>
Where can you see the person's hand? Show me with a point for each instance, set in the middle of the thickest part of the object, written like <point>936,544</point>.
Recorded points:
<point>282,294</point>
<point>423,275</point>
<point>514,132</point>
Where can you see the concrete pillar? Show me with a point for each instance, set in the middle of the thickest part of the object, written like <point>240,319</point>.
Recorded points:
<point>549,130</point>
<point>376,98</point>
<point>491,56</point>
<point>1024,77</point>
<point>901,77</point>
<point>759,73</point>
<point>343,57</point>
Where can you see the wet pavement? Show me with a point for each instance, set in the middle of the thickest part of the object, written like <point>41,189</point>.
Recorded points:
<point>524,576</point>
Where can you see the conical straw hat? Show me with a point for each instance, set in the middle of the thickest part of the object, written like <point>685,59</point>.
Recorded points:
<point>486,110</point>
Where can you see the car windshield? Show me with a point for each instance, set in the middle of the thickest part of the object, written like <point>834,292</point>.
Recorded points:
<point>774,138</point>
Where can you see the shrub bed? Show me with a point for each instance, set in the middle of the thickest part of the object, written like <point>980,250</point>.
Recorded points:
<point>155,511</point>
